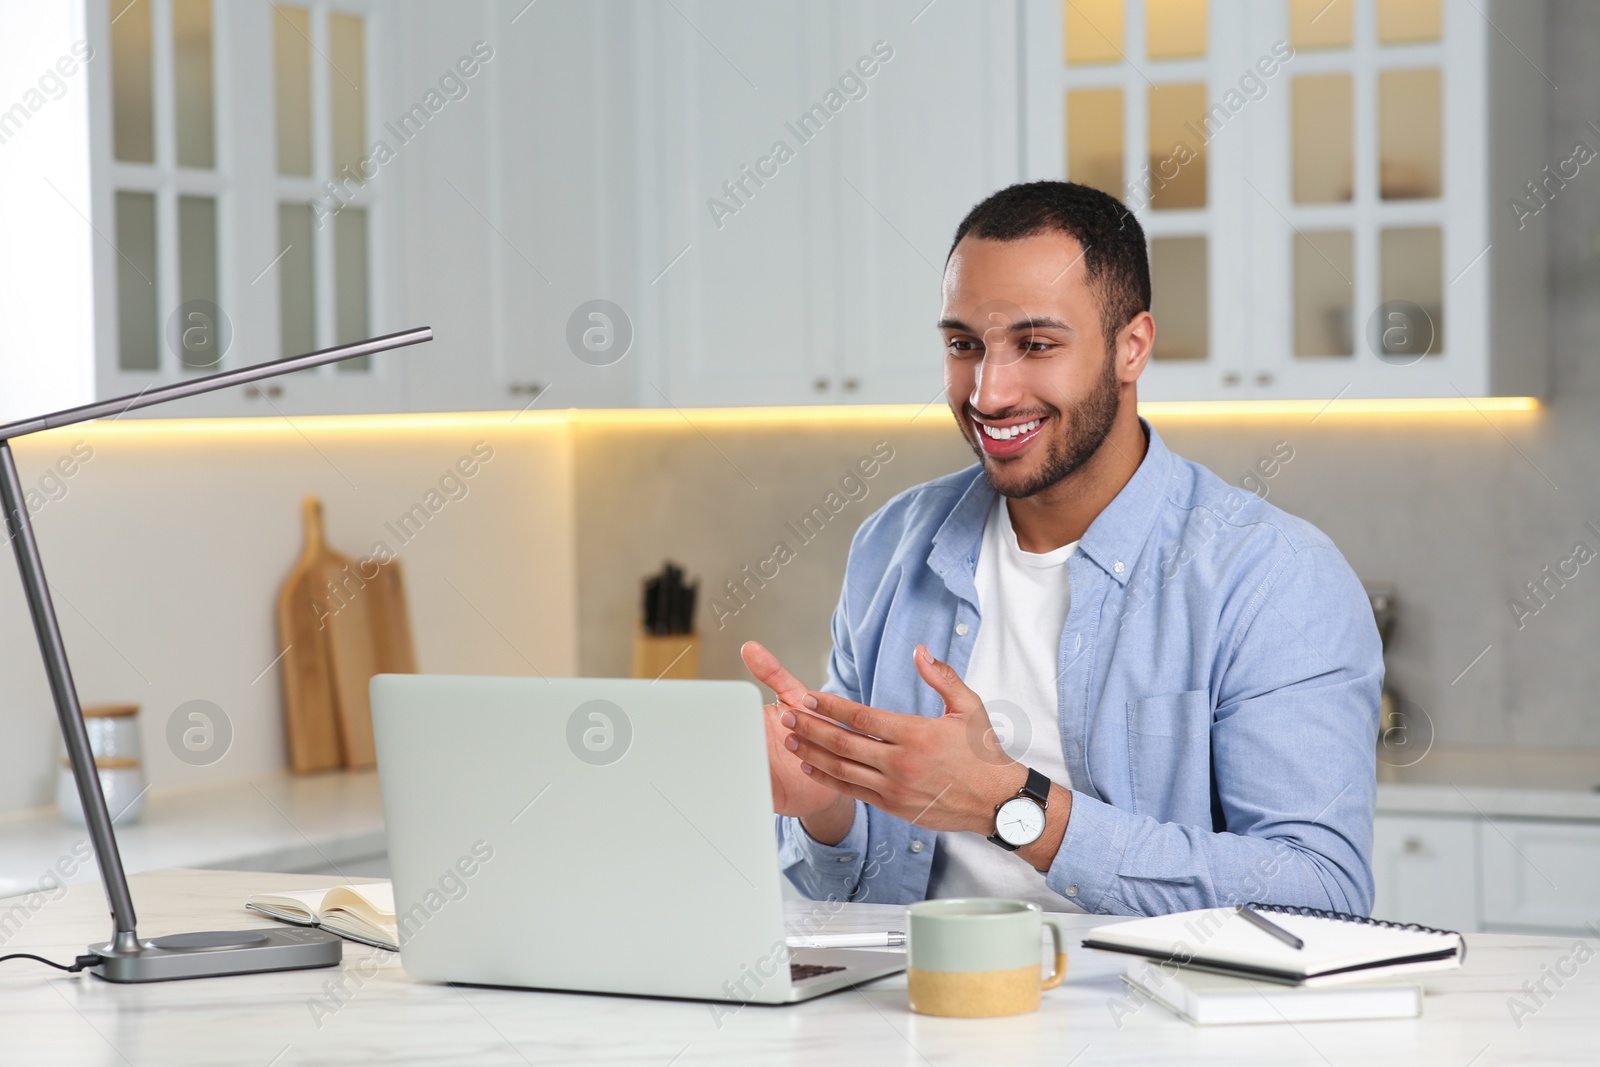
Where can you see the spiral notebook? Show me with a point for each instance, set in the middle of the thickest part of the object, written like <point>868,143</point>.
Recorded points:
<point>1338,947</point>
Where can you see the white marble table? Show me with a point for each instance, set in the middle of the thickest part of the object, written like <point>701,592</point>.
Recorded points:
<point>372,1013</point>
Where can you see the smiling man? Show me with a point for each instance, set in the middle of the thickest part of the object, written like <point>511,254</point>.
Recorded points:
<point>1084,672</point>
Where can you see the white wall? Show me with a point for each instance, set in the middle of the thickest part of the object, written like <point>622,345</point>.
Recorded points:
<point>46,291</point>
<point>167,548</point>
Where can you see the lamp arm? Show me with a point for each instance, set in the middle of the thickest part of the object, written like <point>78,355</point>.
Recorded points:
<point>125,958</point>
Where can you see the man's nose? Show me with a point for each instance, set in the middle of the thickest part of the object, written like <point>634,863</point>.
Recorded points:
<point>997,385</point>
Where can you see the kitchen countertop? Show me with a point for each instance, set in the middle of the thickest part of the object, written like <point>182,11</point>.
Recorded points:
<point>284,822</point>
<point>1493,782</point>
<point>278,822</point>
<point>1516,803</point>
<point>373,1012</point>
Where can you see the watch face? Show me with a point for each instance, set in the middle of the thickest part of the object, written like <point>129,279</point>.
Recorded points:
<point>1020,821</point>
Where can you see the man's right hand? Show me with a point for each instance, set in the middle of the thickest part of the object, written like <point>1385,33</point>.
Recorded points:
<point>825,814</point>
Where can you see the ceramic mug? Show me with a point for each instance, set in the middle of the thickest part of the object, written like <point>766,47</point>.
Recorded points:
<point>975,957</point>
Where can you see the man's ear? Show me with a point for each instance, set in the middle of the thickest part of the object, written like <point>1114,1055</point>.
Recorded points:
<point>1135,341</point>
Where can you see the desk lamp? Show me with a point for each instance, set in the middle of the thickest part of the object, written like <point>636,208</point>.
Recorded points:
<point>127,957</point>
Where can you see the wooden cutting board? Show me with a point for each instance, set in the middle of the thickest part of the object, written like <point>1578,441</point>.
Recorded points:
<point>368,633</point>
<point>391,622</point>
<point>352,657</point>
<point>353,626</point>
<point>341,621</point>
<point>308,702</point>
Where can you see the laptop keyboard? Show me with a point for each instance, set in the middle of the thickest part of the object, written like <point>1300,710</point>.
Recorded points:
<point>799,972</point>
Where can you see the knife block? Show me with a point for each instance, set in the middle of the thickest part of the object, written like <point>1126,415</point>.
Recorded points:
<point>666,655</point>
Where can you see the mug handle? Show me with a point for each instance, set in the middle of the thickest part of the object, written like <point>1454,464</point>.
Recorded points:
<point>1058,935</point>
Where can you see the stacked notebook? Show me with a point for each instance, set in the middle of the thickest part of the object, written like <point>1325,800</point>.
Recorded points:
<point>1207,999</point>
<point>1214,965</point>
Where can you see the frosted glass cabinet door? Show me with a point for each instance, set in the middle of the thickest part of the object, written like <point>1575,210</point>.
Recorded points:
<point>1389,265</point>
<point>1141,99</point>
<point>214,131</point>
<point>1339,166</point>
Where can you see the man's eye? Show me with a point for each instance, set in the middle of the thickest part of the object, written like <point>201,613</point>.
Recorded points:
<point>960,347</point>
<point>1037,346</point>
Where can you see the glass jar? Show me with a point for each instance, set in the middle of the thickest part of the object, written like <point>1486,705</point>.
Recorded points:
<point>114,739</point>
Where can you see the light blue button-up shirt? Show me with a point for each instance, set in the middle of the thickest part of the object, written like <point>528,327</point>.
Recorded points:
<point>1218,696</point>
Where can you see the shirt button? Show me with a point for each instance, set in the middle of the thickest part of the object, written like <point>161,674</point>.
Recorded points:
<point>1072,890</point>
<point>1118,567</point>
<point>847,857</point>
<point>916,846</point>
<point>961,629</point>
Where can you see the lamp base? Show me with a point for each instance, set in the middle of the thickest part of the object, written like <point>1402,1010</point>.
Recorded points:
<point>211,953</point>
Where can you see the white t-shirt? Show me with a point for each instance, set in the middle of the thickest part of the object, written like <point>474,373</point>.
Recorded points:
<point>1023,599</point>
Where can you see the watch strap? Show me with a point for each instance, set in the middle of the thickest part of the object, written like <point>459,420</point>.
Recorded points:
<point>1037,787</point>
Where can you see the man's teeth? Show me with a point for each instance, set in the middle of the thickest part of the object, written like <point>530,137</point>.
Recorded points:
<point>1006,433</point>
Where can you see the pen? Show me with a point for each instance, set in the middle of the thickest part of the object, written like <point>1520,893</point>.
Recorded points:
<point>882,939</point>
<point>1262,922</point>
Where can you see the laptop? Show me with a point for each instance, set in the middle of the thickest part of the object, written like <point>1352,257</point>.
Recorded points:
<point>591,835</point>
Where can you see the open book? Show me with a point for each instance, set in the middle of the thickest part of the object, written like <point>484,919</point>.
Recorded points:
<point>1338,948</point>
<point>363,913</point>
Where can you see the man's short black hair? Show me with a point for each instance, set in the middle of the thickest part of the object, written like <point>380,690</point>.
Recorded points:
<point>1114,257</point>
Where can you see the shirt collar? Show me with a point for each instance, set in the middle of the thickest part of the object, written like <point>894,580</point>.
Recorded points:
<point>1116,536</point>
<point>1113,540</point>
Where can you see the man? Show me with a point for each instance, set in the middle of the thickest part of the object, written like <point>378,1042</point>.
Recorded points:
<point>1189,675</point>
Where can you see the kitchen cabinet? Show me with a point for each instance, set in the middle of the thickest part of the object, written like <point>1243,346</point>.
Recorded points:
<point>1426,870</point>
<point>1540,877</point>
<point>1324,187</point>
<point>558,163</point>
<point>741,192</point>
<point>810,180</point>
<point>360,169</point>
<point>756,200</point>
<point>1506,860</point>
<point>936,136</point>
<point>232,221</point>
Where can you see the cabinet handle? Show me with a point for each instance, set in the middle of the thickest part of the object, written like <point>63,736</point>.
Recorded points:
<point>1230,378</point>
<point>1412,845</point>
<point>1264,378</point>
<point>254,391</point>
<point>820,385</point>
<point>851,384</point>
<point>525,388</point>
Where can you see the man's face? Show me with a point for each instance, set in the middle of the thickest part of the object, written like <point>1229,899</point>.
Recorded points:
<point>1027,371</point>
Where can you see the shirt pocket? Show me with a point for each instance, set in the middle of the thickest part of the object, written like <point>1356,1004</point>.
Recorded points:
<point>1169,756</point>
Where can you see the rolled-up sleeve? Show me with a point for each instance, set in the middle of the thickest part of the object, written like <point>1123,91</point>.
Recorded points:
<point>823,872</point>
<point>1293,747</point>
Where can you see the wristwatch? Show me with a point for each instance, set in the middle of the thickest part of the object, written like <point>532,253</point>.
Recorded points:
<point>1020,820</point>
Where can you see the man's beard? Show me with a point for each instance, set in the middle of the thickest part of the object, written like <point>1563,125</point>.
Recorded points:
<point>1086,426</point>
